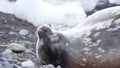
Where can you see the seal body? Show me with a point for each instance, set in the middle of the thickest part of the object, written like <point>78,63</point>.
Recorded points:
<point>94,44</point>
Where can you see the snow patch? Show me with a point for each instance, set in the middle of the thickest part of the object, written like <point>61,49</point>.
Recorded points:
<point>86,49</point>
<point>6,6</point>
<point>101,50</point>
<point>113,29</point>
<point>97,34</point>
<point>114,1</point>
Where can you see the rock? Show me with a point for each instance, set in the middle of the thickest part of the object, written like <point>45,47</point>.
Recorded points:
<point>7,65</point>
<point>16,66</point>
<point>1,66</point>
<point>15,47</point>
<point>50,66</point>
<point>12,0</point>
<point>7,53</point>
<point>12,33</point>
<point>58,67</point>
<point>28,64</point>
<point>24,32</point>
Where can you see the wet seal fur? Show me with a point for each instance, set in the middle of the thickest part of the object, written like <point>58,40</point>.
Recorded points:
<point>49,47</point>
<point>97,45</point>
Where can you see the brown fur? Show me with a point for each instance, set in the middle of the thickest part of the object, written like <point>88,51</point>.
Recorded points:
<point>94,63</point>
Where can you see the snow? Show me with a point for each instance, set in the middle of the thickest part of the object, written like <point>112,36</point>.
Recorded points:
<point>114,1</point>
<point>6,6</point>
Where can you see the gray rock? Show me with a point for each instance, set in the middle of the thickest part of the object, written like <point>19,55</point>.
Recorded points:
<point>23,32</point>
<point>1,66</point>
<point>7,54</point>
<point>3,59</point>
<point>15,47</point>
<point>28,64</point>
<point>7,65</point>
<point>50,66</point>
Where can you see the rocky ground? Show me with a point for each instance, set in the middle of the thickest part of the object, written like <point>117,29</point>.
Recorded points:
<point>17,42</point>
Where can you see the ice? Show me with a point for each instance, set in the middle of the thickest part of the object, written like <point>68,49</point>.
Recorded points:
<point>87,5</point>
<point>39,12</point>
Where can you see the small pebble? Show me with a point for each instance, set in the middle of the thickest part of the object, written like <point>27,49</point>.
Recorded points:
<point>28,64</point>
<point>23,32</point>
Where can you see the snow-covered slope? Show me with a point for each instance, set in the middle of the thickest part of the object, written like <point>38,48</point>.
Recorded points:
<point>38,12</point>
